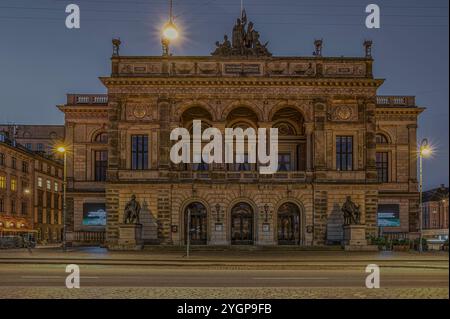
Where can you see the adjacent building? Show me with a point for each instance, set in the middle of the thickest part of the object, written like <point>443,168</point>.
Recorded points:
<point>30,192</point>
<point>37,138</point>
<point>337,138</point>
<point>435,213</point>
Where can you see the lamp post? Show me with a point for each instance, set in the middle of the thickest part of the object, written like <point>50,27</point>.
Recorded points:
<point>63,150</point>
<point>424,151</point>
<point>169,32</point>
<point>188,232</point>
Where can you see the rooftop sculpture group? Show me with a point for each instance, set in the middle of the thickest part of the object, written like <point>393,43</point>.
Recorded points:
<point>245,41</point>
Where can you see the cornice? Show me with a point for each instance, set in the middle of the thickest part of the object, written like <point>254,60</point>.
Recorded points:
<point>240,81</point>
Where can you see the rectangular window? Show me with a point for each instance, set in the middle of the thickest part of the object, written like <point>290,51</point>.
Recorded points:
<point>2,182</point>
<point>2,205</point>
<point>13,163</point>
<point>24,208</point>
<point>2,159</point>
<point>246,166</point>
<point>382,167</point>
<point>40,198</point>
<point>56,187</point>
<point>40,214</point>
<point>49,185</point>
<point>13,207</point>
<point>28,146</point>
<point>48,204</point>
<point>40,147</point>
<point>39,181</point>
<point>284,162</point>
<point>139,152</point>
<point>13,184</point>
<point>344,153</point>
<point>101,165</point>
<point>24,167</point>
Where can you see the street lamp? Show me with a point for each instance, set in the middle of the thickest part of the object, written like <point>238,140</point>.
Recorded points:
<point>63,150</point>
<point>425,151</point>
<point>169,32</point>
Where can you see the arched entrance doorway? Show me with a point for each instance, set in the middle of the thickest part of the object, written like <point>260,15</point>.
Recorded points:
<point>197,224</point>
<point>242,224</point>
<point>289,224</point>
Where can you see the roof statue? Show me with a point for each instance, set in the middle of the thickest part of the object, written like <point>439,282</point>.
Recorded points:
<point>244,41</point>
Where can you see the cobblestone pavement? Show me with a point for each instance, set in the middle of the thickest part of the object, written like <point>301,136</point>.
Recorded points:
<point>225,293</point>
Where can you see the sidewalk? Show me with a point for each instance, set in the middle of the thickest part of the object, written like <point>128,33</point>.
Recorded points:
<point>259,258</point>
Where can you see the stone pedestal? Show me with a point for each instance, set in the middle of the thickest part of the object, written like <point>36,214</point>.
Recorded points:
<point>355,238</point>
<point>130,237</point>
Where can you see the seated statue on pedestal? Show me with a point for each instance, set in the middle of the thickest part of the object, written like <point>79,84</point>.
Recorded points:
<point>352,214</point>
<point>131,211</point>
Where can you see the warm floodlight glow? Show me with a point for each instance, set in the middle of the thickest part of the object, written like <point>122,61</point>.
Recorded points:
<point>426,151</point>
<point>61,149</point>
<point>170,31</point>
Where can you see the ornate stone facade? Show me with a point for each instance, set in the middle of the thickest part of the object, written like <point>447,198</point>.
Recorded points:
<point>315,102</point>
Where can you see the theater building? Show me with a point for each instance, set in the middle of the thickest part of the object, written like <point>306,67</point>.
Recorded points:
<point>337,138</point>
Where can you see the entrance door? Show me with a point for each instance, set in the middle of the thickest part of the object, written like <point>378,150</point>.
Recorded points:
<point>242,224</point>
<point>288,224</point>
<point>197,224</point>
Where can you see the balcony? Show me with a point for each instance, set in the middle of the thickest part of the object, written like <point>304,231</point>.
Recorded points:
<point>396,101</point>
<point>212,175</point>
<point>87,99</point>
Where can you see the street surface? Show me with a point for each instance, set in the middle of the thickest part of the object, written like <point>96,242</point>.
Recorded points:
<point>293,274</point>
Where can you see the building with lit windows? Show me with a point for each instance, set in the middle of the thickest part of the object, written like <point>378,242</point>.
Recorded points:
<point>337,138</point>
<point>30,193</point>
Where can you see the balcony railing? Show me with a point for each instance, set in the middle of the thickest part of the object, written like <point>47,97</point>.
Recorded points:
<point>87,99</point>
<point>387,100</point>
<point>88,237</point>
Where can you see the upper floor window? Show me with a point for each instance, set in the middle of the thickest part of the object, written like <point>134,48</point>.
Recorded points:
<point>100,165</point>
<point>40,147</point>
<point>382,163</point>
<point>102,138</point>
<point>49,185</point>
<point>29,146</point>
<point>39,182</point>
<point>381,139</point>
<point>344,153</point>
<point>13,162</point>
<point>139,152</point>
<point>2,159</point>
<point>2,182</point>
<point>56,187</point>
<point>24,211</point>
<point>245,166</point>
<point>13,206</point>
<point>13,184</point>
<point>2,205</point>
<point>25,167</point>
<point>284,162</point>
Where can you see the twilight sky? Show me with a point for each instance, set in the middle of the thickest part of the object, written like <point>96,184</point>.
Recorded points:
<point>41,60</point>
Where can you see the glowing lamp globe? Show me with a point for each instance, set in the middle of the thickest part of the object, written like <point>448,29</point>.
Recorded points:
<point>170,31</point>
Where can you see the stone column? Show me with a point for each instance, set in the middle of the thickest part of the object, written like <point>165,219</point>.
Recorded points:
<point>412,143</point>
<point>164,133</point>
<point>309,145</point>
<point>371,169</point>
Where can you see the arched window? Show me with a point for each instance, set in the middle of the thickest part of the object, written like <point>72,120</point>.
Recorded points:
<point>381,139</point>
<point>101,138</point>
